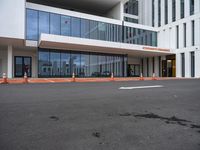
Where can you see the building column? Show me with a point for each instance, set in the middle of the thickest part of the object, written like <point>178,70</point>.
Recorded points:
<point>178,65</point>
<point>187,65</point>
<point>10,62</point>
<point>197,61</point>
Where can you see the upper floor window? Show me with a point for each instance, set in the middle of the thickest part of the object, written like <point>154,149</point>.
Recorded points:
<point>191,7</point>
<point>153,12</point>
<point>131,7</point>
<point>31,24</point>
<point>166,11</point>
<point>173,10</point>
<point>182,9</point>
<point>159,13</point>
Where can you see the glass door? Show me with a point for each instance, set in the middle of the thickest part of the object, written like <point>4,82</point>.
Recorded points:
<point>22,65</point>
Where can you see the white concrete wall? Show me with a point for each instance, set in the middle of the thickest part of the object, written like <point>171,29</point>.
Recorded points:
<point>116,12</point>
<point>12,18</point>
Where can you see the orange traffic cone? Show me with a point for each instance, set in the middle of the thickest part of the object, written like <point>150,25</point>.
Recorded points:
<point>25,78</point>
<point>73,77</point>
<point>141,77</point>
<point>5,79</point>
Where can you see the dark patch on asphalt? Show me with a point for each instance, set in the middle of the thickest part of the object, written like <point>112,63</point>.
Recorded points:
<point>96,134</point>
<point>193,126</point>
<point>168,120</point>
<point>154,116</point>
<point>54,118</point>
<point>125,114</point>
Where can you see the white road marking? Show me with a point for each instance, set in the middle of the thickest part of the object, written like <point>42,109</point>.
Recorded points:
<point>140,87</point>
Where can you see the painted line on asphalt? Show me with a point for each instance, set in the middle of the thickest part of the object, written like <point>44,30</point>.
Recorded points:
<point>140,87</point>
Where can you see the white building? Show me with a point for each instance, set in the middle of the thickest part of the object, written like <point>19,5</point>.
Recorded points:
<point>97,38</point>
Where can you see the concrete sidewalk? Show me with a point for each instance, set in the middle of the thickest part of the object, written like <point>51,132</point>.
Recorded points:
<point>63,80</point>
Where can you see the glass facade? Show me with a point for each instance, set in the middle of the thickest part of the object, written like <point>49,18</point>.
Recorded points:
<point>43,22</point>
<point>59,63</point>
<point>130,20</point>
<point>153,12</point>
<point>184,35</point>
<point>159,13</point>
<point>183,64</point>
<point>139,36</point>
<point>192,55</point>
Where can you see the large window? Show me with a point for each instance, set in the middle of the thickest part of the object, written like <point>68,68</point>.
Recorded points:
<point>65,64</point>
<point>76,27</point>
<point>183,64</point>
<point>182,8</point>
<point>85,28</point>
<point>159,13</point>
<point>192,64</point>
<point>173,10</point>
<point>44,68</point>
<point>177,36</point>
<point>139,36</point>
<point>55,64</point>
<point>59,63</point>
<point>43,22</point>
<point>66,25</point>
<point>32,24</point>
<point>193,33</point>
<point>184,35</point>
<point>55,24</point>
<point>191,7</point>
<point>166,11</point>
<point>131,7</point>
<point>39,22</point>
<point>153,12</point>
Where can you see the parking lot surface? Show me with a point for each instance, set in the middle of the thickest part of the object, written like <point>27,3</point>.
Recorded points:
<point>134,115</point>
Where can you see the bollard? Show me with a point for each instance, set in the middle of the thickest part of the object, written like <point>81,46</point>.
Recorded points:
<point>25,78</point>
<point>73,77</point>
<point>112,76</point>
<point>141,76</point>
<point>5,79</point>
<point>154,77</point>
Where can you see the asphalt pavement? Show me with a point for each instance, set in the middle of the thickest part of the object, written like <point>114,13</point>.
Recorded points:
<point>134,115</point>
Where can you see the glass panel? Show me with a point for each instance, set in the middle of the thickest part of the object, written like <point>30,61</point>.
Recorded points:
<point>85,28</point>
<point>43,22</point>
<point>76,22</point>
<point>94,66</point>
<point>44,68</point>
<point>65,25</point>
<point>109,65</point>
<point>76,63</point>
<point>27,66</point>
<point>32,24</point>
<point>93,29</point>
<point>55,24</point>
<point>102,31</point>
<point>18,67</point>
<point>103,66</point>
<point>55,64</point>
<point>85,65</point>
<point>65,64</point>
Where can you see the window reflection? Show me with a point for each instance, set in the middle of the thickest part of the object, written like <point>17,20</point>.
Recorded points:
<point>55,63</point>
<point>55,24</point>
<point>65,25</point>
<point>43,22</point>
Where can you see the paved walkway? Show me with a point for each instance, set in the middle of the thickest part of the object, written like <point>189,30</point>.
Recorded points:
<point>63,80</point>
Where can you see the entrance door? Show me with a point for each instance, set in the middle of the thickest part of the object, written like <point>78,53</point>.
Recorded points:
<point>133,70</point>
<point>22,65</point>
